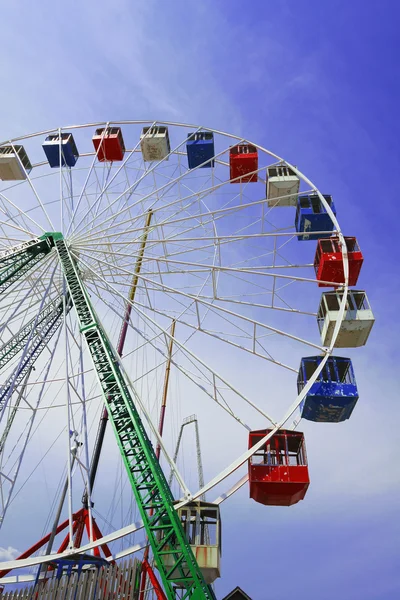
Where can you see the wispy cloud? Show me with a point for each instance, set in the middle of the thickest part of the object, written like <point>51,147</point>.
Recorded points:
<point>8,553</point>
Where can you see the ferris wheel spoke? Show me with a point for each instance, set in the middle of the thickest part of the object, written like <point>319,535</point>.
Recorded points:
<point>193,357</point>
<point>254,342</point>
<point>28,433</point>
<point>200,301</point>
<point>198,380</point>
<point>8,224</point>
<point>212,215</point>
<point>104,189</point>
<point>166,187</point>
<point>67,198</point>
<point>239,484</point>
<point>129,191</point>
<point>34,191</point>
<point>16,219</point>
<point>199,265</point>
<point>83,190</point>
<point>18,298</point>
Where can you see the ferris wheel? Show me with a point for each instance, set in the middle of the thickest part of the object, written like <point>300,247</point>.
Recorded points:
<point>150,271</point>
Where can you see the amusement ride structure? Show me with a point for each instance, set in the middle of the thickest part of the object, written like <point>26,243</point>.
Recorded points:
<point>150,271</point>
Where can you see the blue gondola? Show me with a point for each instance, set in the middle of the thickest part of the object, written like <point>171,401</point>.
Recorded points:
<point>312,216</point>
<point>200,149</point>
<point>69,152</point>
<point>332,398</point>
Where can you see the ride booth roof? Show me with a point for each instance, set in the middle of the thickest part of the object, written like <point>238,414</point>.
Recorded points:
<point>333,396</point>
<point>278,471</point>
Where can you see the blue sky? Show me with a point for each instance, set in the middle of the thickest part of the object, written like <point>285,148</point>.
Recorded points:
<point>316,82</point>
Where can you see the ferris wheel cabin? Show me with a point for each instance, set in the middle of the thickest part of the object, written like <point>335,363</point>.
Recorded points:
<point>278,471</point>
<point>328,262</point>
<point>312,217</point>
<point>333,396</point>
<point>14,163</point>
<point>202,525</point>
<point>200,149</point>
<point>357,322</point>
<point>282,186</point>
<point>154,143</point>
<point>109,144</point>
<point>243,163</point>
<point>66,148</point>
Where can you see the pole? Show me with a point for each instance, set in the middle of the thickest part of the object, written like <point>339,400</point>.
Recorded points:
<point>14,409</point>
<point>145,563</point>
<point>54,531</point>
<point>165,390</point>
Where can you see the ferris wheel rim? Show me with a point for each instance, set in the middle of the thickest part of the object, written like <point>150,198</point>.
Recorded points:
<point>327,351</point>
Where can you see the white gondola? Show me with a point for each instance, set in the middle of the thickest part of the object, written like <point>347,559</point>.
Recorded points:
<point>14,163</point>
<point>202,525</point>
<point>282,181</point>
<point>356,325</point>
<point>154,143</point>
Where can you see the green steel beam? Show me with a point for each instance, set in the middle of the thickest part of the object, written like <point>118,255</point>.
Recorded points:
<point>48,321</point>
<point>18,341</point>
<point>152,493</point>
<point>13,412</point>
<point>18,260</point>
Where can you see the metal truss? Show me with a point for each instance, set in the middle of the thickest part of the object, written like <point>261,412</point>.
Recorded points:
<point>18,260</point>
<point>47,323</point>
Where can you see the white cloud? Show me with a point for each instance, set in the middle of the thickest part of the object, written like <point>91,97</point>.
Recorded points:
<point>8,553</point>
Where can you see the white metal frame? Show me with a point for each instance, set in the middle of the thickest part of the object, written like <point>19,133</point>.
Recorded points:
<point>88,234</point>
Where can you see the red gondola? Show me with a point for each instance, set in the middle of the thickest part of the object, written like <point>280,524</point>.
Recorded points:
<point>278,472</point>
<point>243,162</point>
<point>111,142</point>
<point>328,262</point>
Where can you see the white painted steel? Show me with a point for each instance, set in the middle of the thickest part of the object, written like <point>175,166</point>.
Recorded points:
<point>95,225</point>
